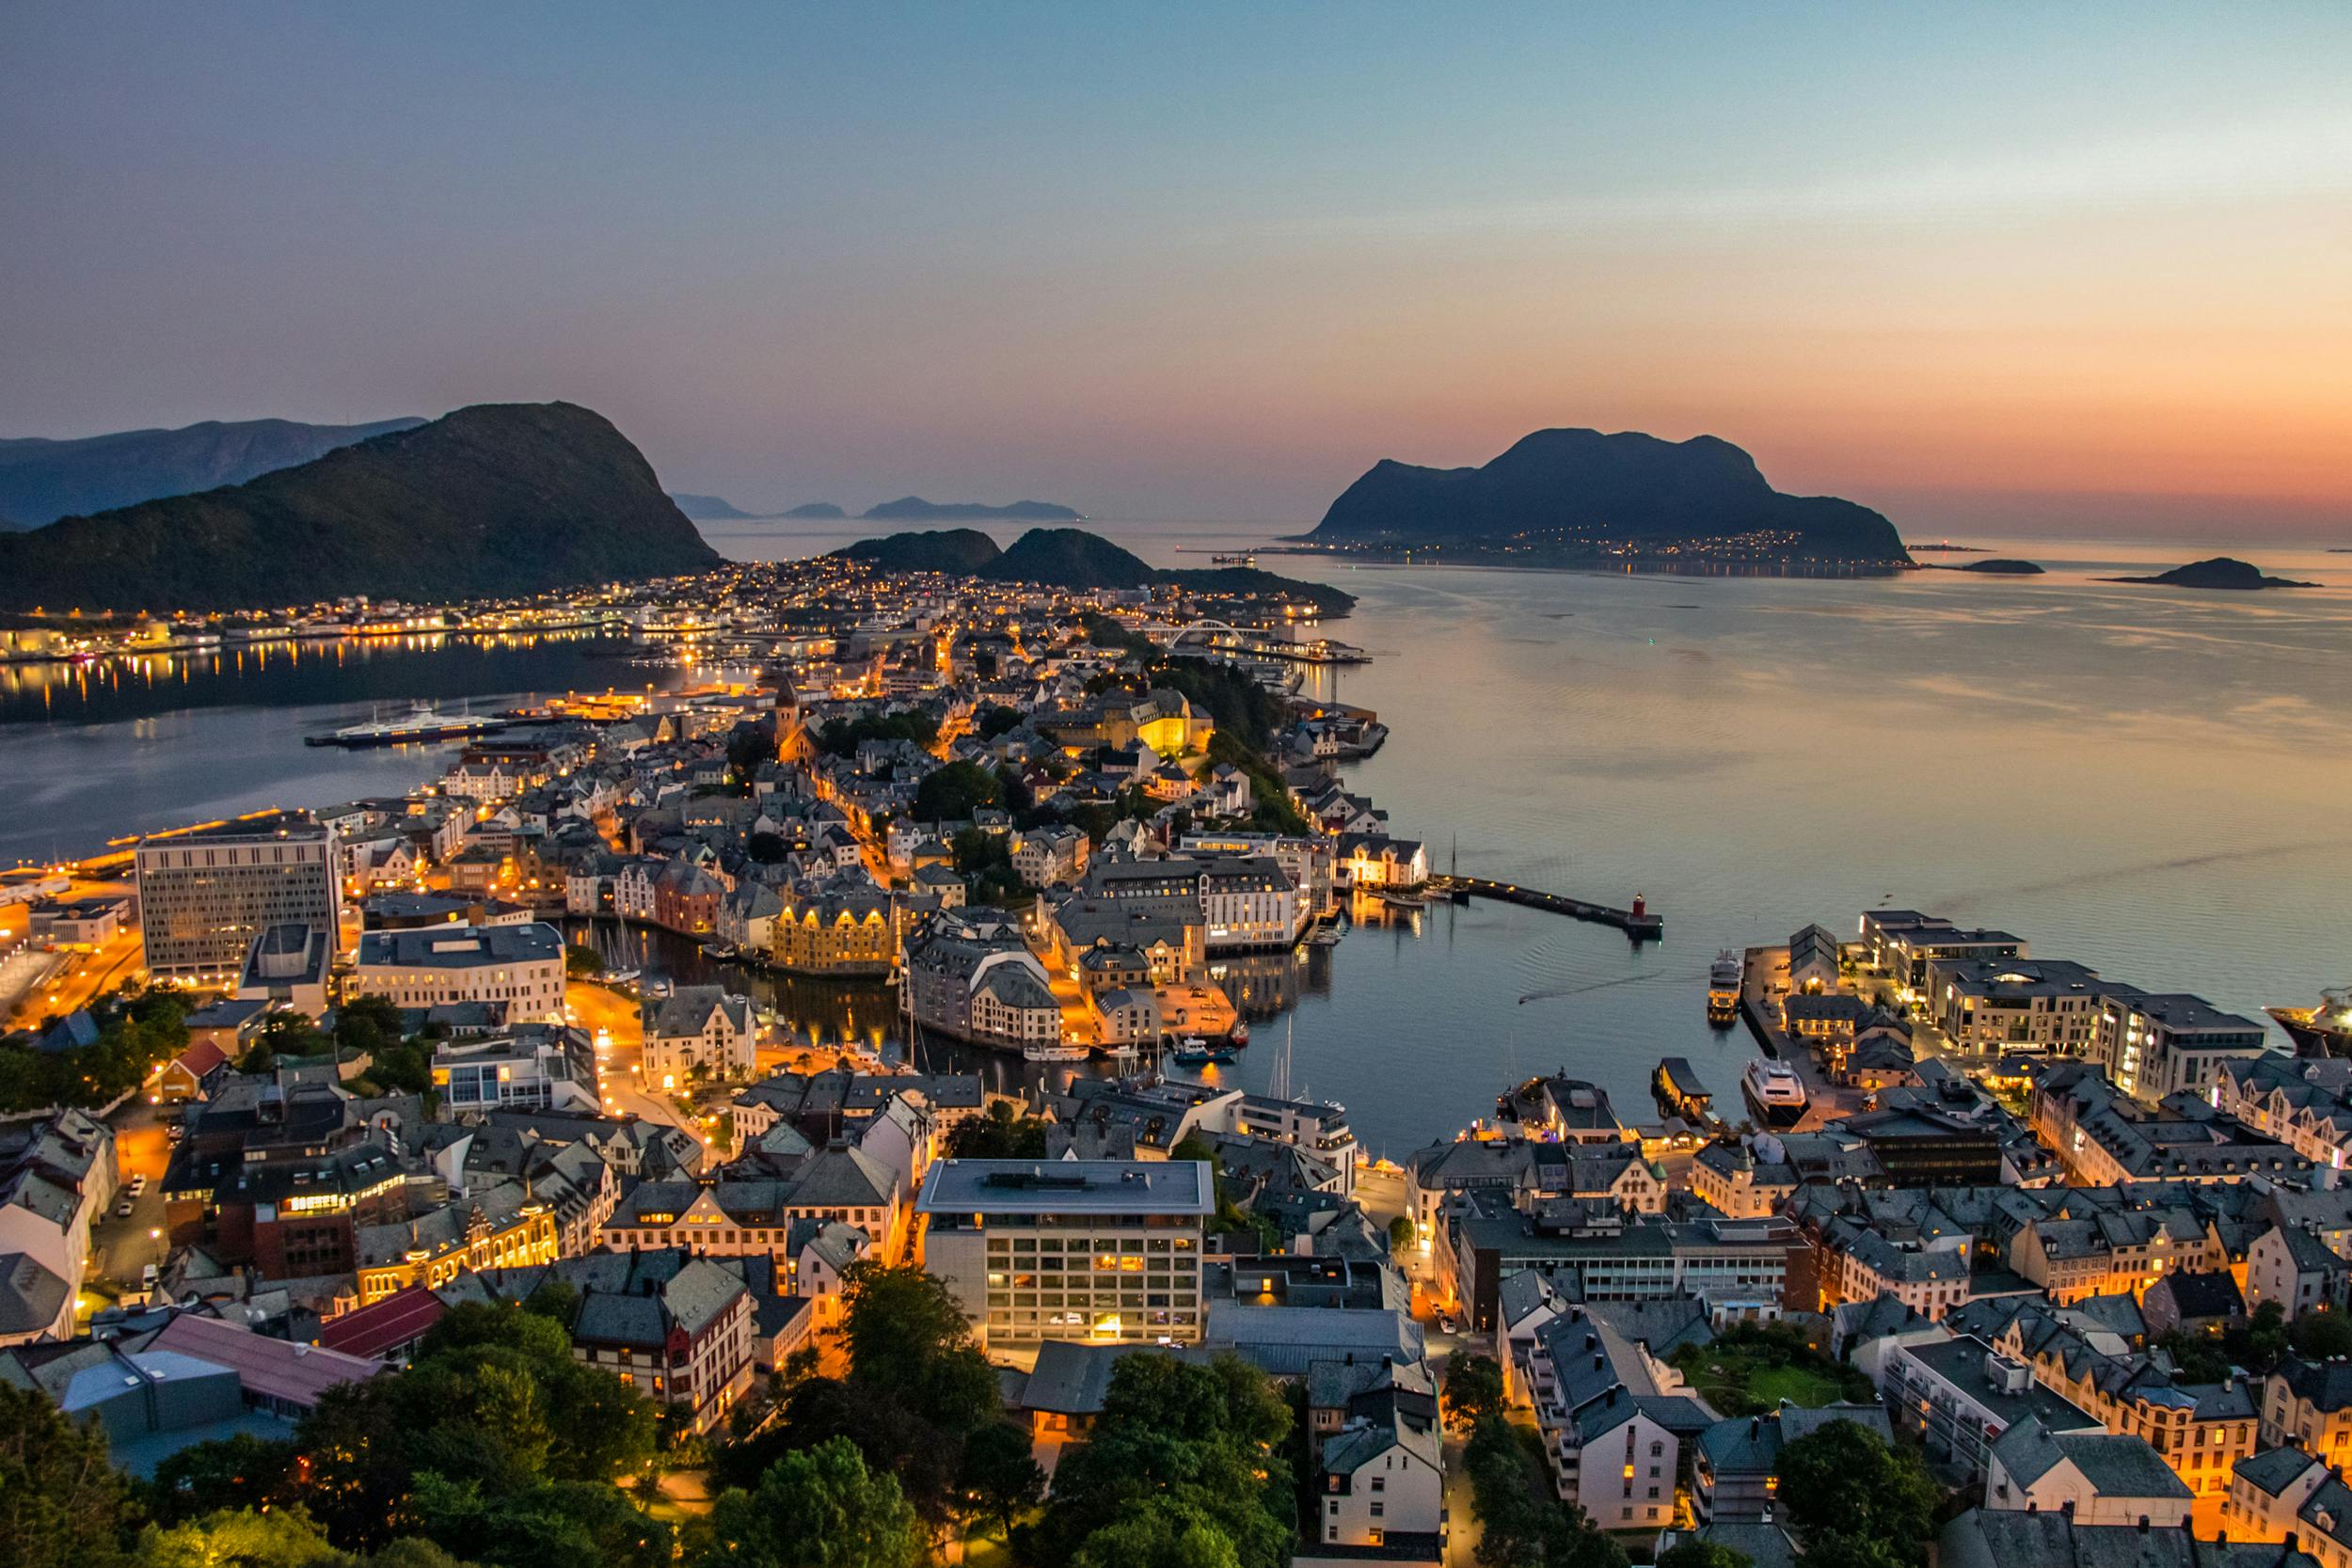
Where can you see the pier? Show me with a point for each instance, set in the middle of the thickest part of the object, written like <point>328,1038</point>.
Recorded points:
<point>1640,922</point>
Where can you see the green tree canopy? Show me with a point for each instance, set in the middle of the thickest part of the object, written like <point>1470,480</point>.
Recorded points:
<point>1473,1390</point>
<point>1158,1532</point>
<point>241,1538</point>
<point>1847,1493</point>
<point>62,1505</point>
<point>1209,1442</point>
<point>953,792</point>
<point>817,1508</point>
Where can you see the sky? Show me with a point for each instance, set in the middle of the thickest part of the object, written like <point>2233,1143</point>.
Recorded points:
<point>2066,269</point>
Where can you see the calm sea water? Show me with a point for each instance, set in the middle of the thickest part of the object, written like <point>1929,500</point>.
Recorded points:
<point>2151,781</point>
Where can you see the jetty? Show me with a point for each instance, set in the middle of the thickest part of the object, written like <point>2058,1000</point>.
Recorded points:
<point>1640,921</point>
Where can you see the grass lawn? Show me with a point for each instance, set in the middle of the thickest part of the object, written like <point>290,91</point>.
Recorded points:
<point>1752,1378</point>
<point>1797,1384</point>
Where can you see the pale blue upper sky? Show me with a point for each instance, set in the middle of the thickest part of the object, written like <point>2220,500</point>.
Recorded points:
<point>1213,261</point>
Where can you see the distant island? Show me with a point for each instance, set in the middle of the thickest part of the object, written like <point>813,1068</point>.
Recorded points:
<point>494,499</point>
<point>1070,557</point>
<point>712,509</point>
<point>41,481</point>
<point>1943,548</point>
<point>816,508</point>
<point>1569,497</point>
<point>915,509</point>
<point>2002,566</point>
<point>2220,572</point>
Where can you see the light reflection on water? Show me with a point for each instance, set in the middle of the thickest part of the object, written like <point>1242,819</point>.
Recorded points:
<point>2149,781</point>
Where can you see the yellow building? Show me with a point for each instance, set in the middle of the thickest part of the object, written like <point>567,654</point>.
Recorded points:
<point>498,1227</point>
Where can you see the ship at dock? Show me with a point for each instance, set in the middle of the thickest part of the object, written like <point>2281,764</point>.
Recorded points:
<point>1723,986</point>
<point>2322,1031</point>
<point>422,723</point>
<point>1776,1095</point>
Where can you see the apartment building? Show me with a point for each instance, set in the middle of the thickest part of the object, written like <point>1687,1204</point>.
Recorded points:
<point>207,893</point>
<point>2155,1045</point>
<point>1105,1250</point>
<point>542,1065</point>
<point>517,970</point>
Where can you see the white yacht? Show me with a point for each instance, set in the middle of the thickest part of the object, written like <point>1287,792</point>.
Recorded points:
<point>1775,1093</point>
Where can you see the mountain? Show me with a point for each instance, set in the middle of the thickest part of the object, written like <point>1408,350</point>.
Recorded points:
<point>915,509</point>
<point>494,499</point>
<point>1582,491</point>
<point>959,551</point>
<point>2220,572</point>
<point>1069,558</point>
<point>1072,559</point>
<point>816,508</point>
<point>712,509</point>
<point>41,481</point>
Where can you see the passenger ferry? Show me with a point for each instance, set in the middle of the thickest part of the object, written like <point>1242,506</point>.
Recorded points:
<point>1775,1093</point>
<point>1722,985</point>
<point>1058,1051</point>
<point>425,722</point>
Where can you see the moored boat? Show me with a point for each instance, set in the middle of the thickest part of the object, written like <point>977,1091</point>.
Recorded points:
<point>1776,1095</point>
<point>1723,984</point>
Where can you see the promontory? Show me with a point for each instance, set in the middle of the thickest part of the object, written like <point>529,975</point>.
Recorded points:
<point>1569,496</point>
<point>498,499</point>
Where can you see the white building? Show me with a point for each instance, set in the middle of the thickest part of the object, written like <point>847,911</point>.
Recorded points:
<point>699,1026</point>
<point>1100,1250</point>
<point>519,966</point>
<point>544,1067</point>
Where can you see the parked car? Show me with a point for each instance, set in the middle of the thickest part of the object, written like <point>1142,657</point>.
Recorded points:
<point>123,1210</point>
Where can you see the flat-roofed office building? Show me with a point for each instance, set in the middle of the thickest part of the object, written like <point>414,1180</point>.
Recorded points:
<point>518,968</point>
<point>1100,1250</point>
<point>206,893</point>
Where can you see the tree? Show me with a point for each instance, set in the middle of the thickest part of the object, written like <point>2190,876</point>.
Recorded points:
<point>999,1478</point>
<point>581,962</point>
<point>820,1508</point>
<point>1000,1134</point>
<point>1473,1390</point>
<point>1158,1532</point>
<point>239,1472</point>
<point>1400,1233</point>
<point>241,1538</point>
<point>61,1504</point>
<point>2321,1336</point>
<point>907,1335</point>
<point>1703,1554</point>
<point>953,792</point>
<point>1847,1492</point>
<point>995,720</point>
<point>1210,1441</point>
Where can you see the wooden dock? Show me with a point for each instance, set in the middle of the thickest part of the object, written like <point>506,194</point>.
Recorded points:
<point>1640,922</point>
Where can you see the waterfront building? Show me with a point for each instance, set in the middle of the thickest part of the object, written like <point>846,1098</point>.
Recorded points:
<point>976,980</point>
<point>1813,960</point>
<point>1902,944</point>
<point>1247,902</point>
<point>2005,1004</point>
<point>840,932</point>
<point>699,1031</point>
<point>518,968</point>
<point>1080,1249</point>
<point>207,893</point>
<point>2153,1046</point>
